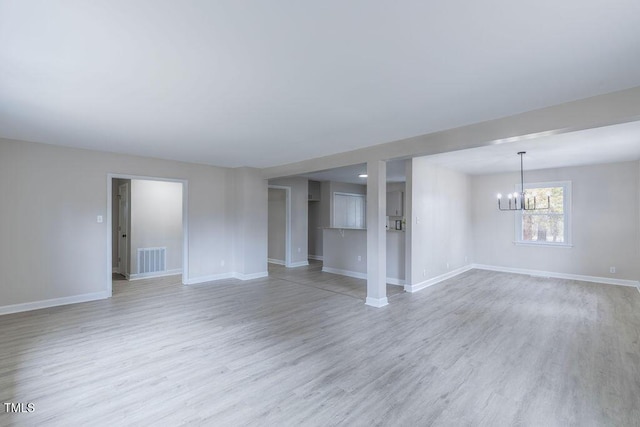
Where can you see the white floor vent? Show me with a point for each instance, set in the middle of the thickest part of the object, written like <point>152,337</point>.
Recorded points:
<point>152,260</point>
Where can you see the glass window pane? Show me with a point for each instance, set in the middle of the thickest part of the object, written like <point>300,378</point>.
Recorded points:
<point>543,228</point>
<point>538,197</point>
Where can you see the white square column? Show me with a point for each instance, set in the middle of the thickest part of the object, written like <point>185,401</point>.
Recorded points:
<point>376,234</point>
<point>408,228</point>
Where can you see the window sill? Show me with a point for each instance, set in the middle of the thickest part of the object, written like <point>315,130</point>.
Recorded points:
<point>546,245</point>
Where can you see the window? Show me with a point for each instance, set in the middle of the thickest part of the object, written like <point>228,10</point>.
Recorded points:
<point>349,210</point>
<point>546,226</point>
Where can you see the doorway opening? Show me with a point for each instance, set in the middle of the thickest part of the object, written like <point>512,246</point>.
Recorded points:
<point>147,223</point>
<point>279,225</point>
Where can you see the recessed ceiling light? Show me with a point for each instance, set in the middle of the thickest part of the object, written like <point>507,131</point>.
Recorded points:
<point>363,175</point>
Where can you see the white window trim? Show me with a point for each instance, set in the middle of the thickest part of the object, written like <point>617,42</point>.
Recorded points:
<point>567,201</point>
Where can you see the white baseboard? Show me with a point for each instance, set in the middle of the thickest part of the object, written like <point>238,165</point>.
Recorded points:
<point>316,257</point>
<point>139,276</point>
<point>358,275</point>
<point>299,264</point>
<point>251,276</point>
<point>540,273</point>
<point>377,302</point>
<point>210,278</point>
<point>347,273</point>
<point>222,276</point>
<point>35,305</point>
<point>275,261</point>
<point>435,280</point>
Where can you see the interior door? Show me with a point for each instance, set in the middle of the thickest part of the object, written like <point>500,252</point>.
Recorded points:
<point>123,226</point>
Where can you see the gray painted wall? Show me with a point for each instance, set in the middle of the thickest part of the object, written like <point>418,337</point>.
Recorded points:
<point>156,220</point>
<point>396,186</point>
<point>249,217</point>
<point>299,216</point>
<point>605,222</point>
<point>441,238</point>
<point>277,224</point>
<point>325,205</point>
<point>52,245</point>
<point>342,248</point>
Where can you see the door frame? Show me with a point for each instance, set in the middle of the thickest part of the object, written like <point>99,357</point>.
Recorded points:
<point>185,223</point>
<point>287,233</point>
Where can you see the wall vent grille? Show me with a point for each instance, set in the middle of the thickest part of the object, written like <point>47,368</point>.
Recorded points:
<point>152,260</point>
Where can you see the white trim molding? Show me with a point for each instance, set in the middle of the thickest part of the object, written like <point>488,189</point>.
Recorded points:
<point>140,276</point>
<point>347,273</point>
<point>251,276</point>
<point>377,302</point>
<point>210,278</point>
<point>35,305</point>
<point>299,264</point>
<point>357,275</point>
<point>316,257</point>
<point>291,265</point>
<point>551,274</point>
<point>222,276</point>
<point>566,215</point>
<point>435,280</point>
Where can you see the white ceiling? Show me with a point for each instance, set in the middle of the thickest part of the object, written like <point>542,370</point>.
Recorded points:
<point>395,173</point>
<point>607,144</point>
<point>264,83</point>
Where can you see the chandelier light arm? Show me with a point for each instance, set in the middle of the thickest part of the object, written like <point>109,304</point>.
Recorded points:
<point>525,203</point>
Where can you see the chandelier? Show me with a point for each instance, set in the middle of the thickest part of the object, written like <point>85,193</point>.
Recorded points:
<point>520,201</point>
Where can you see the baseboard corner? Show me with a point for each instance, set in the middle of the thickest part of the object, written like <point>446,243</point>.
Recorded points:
<point>298,264</point>
<point>437,279</point>
<point>377,302</point>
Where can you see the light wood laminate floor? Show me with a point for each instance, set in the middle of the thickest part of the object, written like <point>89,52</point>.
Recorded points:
<point>483,348</point>
<point>314,277</point>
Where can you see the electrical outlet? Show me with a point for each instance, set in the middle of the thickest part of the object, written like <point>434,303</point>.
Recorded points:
<point>424,273</point>
<point>447,266</point>
<point>222,263</point>
<point>466,259</point>
<point>298,250</point>
<point>417,220</point>
<point>612,270</point>
<point>359,258</point>
<point>99,219</point>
